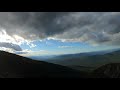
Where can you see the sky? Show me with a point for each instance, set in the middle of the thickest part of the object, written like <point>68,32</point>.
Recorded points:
<point>51,33</point>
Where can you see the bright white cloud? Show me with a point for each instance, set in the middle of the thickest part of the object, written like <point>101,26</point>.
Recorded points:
<point>65,46</point>
<point>30,44</point>
<point>33,53</point>
<point>4,37</point>
<point>12,43</point>
<point>7,49</point>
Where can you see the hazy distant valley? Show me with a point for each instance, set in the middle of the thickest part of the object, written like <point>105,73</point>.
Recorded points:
<point>83,61</point>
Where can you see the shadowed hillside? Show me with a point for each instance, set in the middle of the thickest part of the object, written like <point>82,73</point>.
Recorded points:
<point>108,71</point>
<point>14,66</point>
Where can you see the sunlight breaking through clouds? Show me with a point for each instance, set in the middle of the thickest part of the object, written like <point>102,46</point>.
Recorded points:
<point>64,26</point>
<point>12,43</point>
<point>24,28</point>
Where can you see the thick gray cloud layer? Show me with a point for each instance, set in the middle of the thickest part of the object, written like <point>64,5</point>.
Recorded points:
<point>91,27</point>
<point>11,46</point>
<point>30,25</point>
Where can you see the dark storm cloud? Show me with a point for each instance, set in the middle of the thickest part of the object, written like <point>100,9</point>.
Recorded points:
<point>93,27</point>
<point>10,45</point>
<point>39,24</point>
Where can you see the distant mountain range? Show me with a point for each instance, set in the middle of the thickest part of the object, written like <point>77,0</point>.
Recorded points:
<point>89,59</point>
<point>69,56</point>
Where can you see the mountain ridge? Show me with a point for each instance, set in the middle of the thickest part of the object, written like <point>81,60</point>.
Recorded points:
<point>89,61</point>
<point>14,66</point>
<point>111,70</point>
